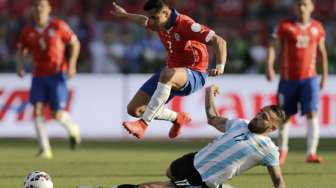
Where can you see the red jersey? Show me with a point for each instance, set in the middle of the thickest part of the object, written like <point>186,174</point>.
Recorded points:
<point>298,48</point>
<point>185,42</point>
<point>47,46</point>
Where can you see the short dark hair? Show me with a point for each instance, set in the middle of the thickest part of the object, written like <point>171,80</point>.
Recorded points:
<point>280,113</point>
<point>157,5</point>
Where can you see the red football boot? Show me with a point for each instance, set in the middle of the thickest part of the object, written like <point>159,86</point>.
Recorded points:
<point>137,128</point>
<point>183,118</point>
<point>313,158</point>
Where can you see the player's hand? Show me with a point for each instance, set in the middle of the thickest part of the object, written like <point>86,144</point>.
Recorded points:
<point>20,71</point>
<point>71,72</point>
<point>118,11</point>
<point>214,89</point>
<point>219,70</point>
<point>270,74</point>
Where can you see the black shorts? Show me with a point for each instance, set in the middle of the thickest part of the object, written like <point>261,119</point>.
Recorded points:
<point>184,173</point>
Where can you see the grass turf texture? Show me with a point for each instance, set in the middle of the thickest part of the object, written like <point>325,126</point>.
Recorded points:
<point>111,163</point>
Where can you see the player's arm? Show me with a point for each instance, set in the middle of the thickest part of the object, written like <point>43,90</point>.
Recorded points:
<point>21,56</point>
<point>271,53</point>
<point>323,51</point>
<point>276,176</point>
<point>220,48</point>
<point>120,12</point>
<point>213,116</point>
<point>74,46</point>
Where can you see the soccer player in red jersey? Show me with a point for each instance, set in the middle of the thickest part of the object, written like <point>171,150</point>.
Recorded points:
<point>300,38</point>
<point>46,38</point>
<point>187,65</point>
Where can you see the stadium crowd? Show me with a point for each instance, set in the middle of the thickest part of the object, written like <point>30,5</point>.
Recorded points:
<point>110,47</point>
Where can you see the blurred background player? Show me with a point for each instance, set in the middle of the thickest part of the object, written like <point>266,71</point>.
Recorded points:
<point>46,38</point>
<point>186,69</point>
<point>300,38</point>
<point>243,145</point>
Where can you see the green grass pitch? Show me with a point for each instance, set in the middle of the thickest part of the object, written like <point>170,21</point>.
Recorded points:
<point>116,162</point>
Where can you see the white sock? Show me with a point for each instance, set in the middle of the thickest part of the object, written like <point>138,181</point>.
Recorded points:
<point>313,135</point>
<point>158,99</point>
<point>283,137</point>
<point>70,125</point>
<point>42,134</point>
<point>166,114</point>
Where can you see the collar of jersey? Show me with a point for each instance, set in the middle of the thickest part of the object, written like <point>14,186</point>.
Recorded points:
<point>173,18</point>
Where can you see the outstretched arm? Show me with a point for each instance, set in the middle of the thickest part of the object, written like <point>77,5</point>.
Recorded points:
<point>213,116</point>
<point>220,48</point>
<point>120,12</point>
<point>276,176</point>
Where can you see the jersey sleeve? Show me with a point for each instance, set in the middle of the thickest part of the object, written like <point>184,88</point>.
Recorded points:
<point>66,32</point>
<point>271,159</point>
<point>192,30</point>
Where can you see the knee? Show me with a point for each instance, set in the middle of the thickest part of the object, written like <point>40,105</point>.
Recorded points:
<point>310,115</point>
<point>167,75</point>
<point>133,111</point>
<point>57,115</point>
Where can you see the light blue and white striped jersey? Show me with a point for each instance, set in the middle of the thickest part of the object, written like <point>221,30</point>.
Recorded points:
<point>236,151</point>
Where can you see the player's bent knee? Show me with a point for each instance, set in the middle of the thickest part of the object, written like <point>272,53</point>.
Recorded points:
<point>167,75</point>
<point>134,112</point>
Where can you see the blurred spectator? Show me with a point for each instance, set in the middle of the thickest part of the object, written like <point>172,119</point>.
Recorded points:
<point>128,49</point>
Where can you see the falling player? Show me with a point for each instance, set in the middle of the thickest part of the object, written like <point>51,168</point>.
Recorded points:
<point>187,64</point>
<point>45,38</point>
<point>300,39</point>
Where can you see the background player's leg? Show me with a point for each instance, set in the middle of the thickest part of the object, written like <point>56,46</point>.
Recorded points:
<point>169,79</point>
<point>313,133</point>
<point>70,125</point>
<point>42,134</point>
<point>282,141</point>
<point>58,94</point>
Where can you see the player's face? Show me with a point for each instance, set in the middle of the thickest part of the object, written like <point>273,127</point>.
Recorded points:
<point>266,118</point>
<point>41,10</point>
<point>159,18</point>
<point>304,8</point>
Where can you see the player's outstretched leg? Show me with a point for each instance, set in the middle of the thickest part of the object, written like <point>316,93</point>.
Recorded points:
<point>71,126</point>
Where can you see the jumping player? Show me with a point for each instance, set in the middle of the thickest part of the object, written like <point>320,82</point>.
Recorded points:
<point>243,145</point>
<point>300,38</point>
<point>186,70</point>
<point>46,38</point>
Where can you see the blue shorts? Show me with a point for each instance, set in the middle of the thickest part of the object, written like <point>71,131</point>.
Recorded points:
<point>305,92</point>
<point>196,81</point>
<point>50,89</point>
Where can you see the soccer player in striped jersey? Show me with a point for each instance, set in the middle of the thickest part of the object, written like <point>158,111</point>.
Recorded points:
<point>242,146</point>
<point>301,39</point>
<point>187,65</point>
